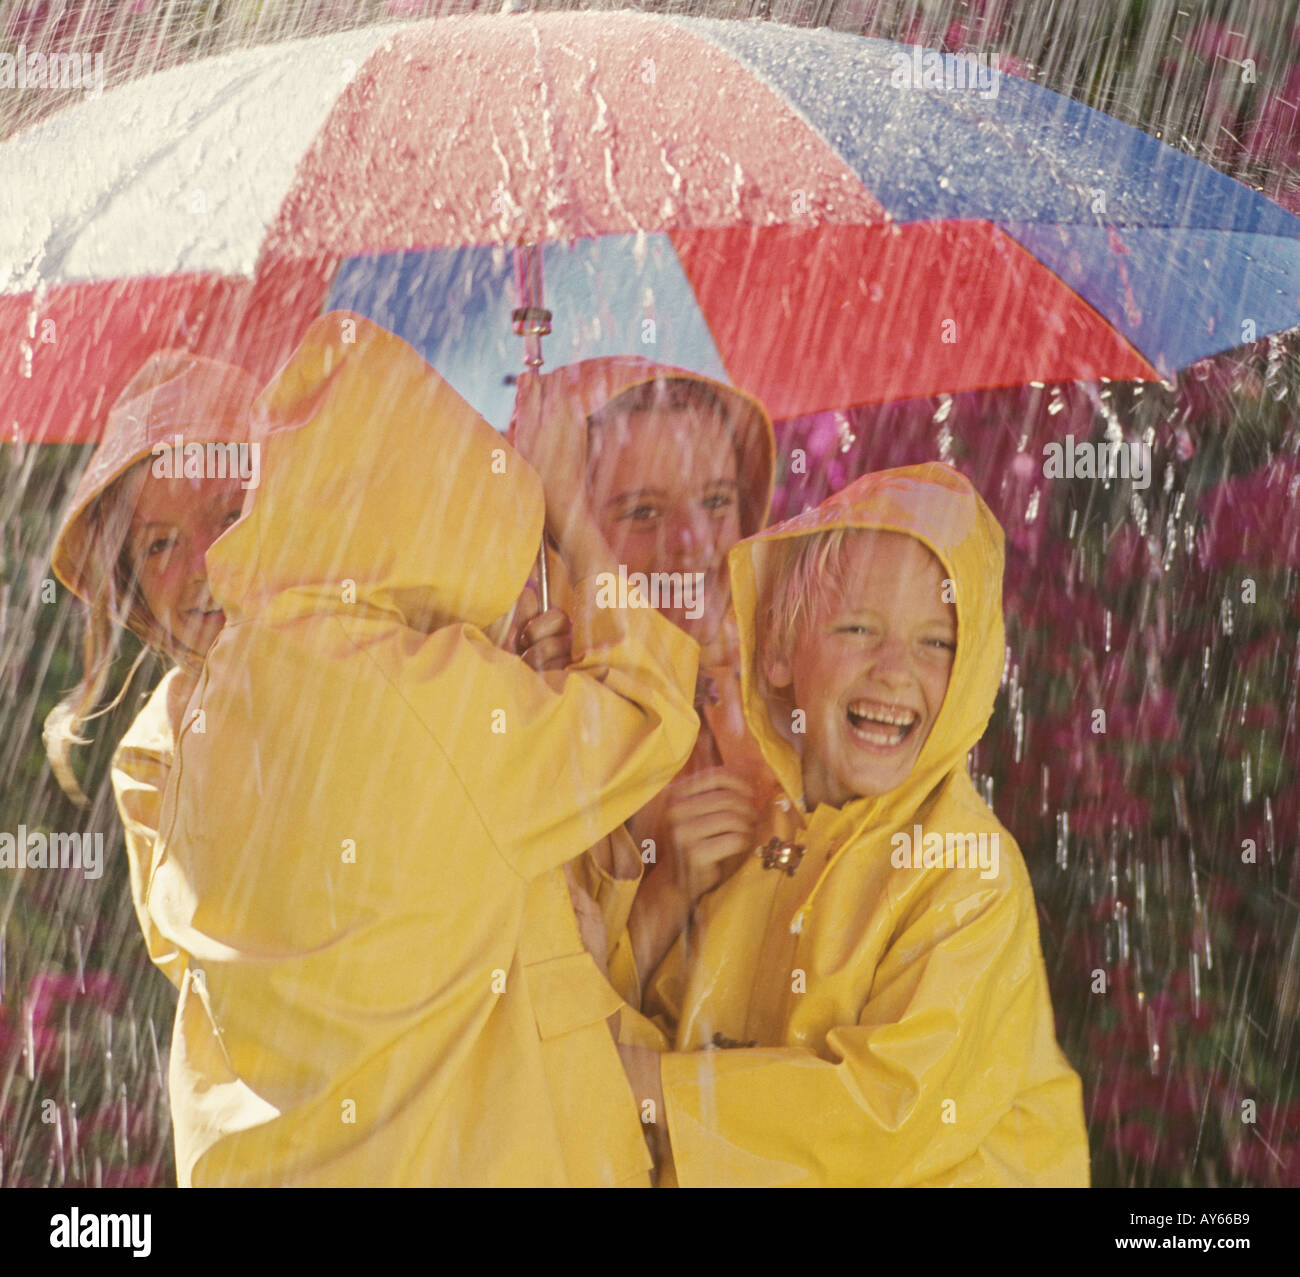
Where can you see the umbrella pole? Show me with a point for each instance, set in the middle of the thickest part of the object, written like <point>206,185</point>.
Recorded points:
<point>532,322</point>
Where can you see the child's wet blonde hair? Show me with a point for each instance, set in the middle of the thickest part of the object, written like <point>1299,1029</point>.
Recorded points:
<point>805,570</point>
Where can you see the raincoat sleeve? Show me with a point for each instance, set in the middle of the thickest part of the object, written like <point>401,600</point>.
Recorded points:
<point>568,755</point>
<point>935,1084</point>
<point>141,765</point>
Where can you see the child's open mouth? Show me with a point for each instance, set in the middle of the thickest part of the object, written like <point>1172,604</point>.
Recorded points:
<point>881,726</point>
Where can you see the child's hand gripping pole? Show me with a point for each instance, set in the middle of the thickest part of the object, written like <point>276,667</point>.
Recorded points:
<point>543,639</point>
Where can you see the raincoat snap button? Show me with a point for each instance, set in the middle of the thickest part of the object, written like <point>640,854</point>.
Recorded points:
<point>777,854</point>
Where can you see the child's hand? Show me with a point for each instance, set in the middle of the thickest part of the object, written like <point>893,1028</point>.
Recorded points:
<point>545,640</point>
<point>710,818</point>
<point>704,826</point>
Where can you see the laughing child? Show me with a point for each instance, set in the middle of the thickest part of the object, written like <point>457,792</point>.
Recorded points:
<point>857,1009</point>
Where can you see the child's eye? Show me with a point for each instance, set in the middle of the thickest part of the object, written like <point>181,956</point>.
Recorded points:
<point>943,644</point>
<point>719,502</point>
<point>641,513</point>
<point>159,546</point>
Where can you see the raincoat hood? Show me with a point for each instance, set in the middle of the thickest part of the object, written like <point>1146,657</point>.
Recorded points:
<point>594,383</point>
<point>938,507</point>
<point>174,393</point>
<point>312,529</point>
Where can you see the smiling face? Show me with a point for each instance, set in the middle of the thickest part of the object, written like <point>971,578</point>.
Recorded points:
<point>174,523</point>
<point>664,489</point>
<point>870,668</point>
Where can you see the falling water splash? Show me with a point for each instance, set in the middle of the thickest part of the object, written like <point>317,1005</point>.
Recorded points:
<point>1199,948</point>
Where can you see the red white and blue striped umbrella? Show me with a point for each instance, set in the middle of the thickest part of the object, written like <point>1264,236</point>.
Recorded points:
<point>823,219</point>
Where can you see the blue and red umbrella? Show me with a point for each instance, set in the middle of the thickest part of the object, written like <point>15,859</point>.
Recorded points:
<point>824,219</point>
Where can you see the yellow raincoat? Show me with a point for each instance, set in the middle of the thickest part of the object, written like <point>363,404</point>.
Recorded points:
<point>857,1022</point>
<point>382,981</point>
<point>142,763</point>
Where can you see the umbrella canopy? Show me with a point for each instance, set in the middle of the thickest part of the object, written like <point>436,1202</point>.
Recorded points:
<point>824,219</point>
